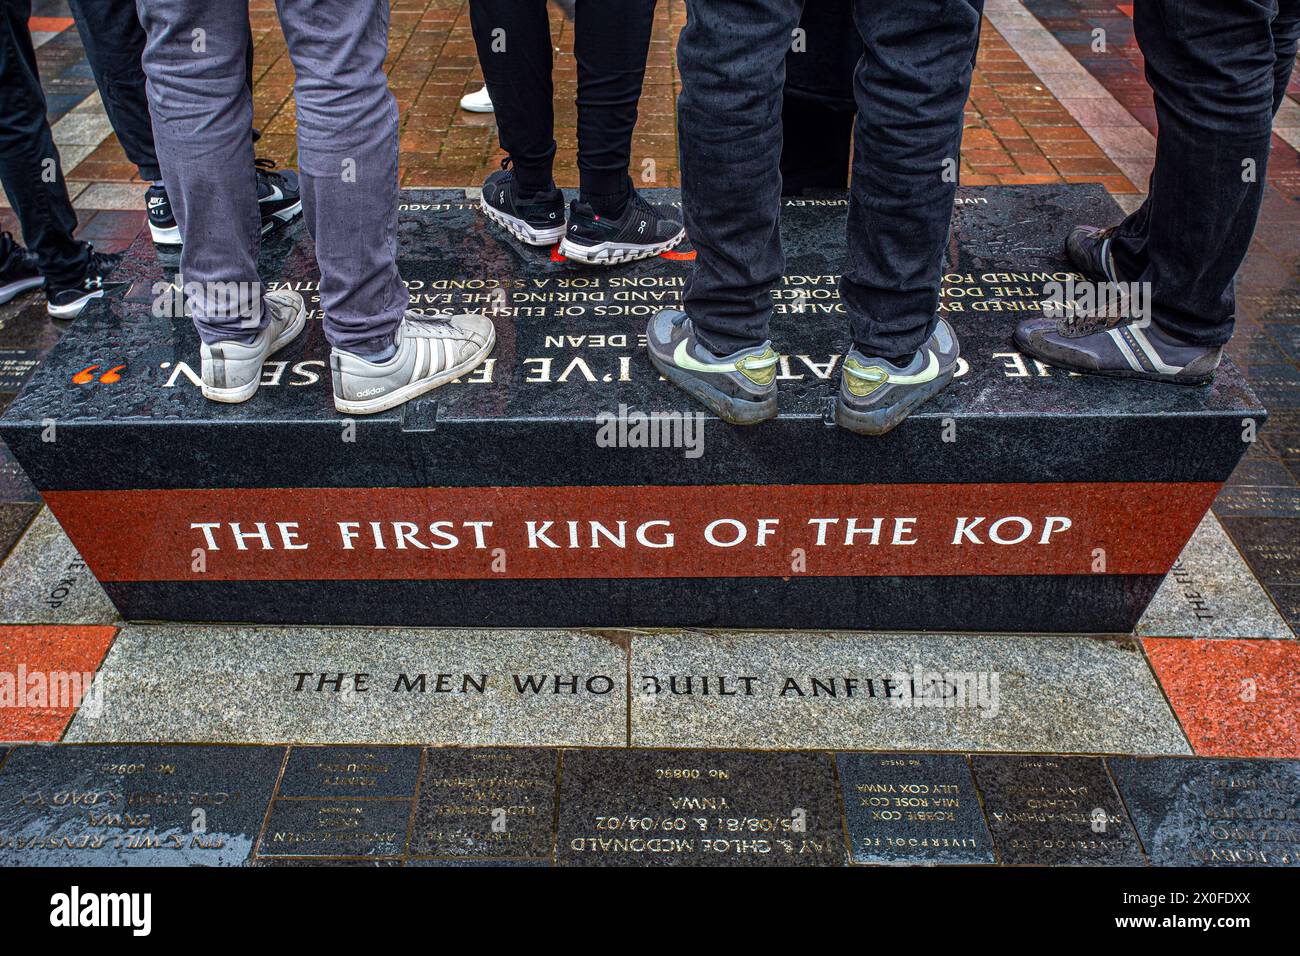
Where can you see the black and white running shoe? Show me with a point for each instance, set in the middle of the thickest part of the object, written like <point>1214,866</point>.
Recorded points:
<point>278,195</point>
<point>537,219</point>
<point>279,200</point>
<point>162,224</point>
<point>642,231</point>
<point>67,301</point>
<point>19,270</point>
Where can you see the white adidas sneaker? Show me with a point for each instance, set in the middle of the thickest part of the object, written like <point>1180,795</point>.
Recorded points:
<point>431,351</point>
<point>232,371</point>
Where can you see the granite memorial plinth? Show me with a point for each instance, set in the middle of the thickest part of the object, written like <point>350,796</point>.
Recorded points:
<point>564,483</point>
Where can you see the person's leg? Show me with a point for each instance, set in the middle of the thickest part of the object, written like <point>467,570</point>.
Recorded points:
<point>731,55</point>
<point>347,161</point>
<point>202,109</point>
<point>611,43</point>
<point>911,87</point>
<point>30,170</point>
<point>1286,37</point>
<point>513,38</point>
<point>114,41</point>
<point>1211,65</point>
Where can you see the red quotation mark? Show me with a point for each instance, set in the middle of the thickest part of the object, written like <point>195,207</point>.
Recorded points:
<point>107,378</point>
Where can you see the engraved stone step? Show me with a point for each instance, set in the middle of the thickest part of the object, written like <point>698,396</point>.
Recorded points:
<point>1022,499</point>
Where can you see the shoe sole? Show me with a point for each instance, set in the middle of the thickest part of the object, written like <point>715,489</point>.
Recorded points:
<point>282,217</point>
<point>74,309</point>
<point>242,393</point>
<point>415,389</point>
<point>520,229</point>
<point>733,411</point>
<point>14,289</point>
<point>165,235</point>
<point>478,109</point>
<point>1128,373</point>
<point>881,420</point>
<point>614,253</point>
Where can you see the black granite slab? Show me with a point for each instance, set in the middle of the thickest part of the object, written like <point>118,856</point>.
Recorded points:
<point>494,802</point>
<point>913,809</point>
<point>1058,811</point>
<point>360,827</point>
<point>1200,812</point>
<point>16,364</point>
<point>1270,545</point>
<point>698,808</point>
<point>131,805</point>
<point>1027,423</point>
<point>350,772</point>
<point>568,351</point>
<point>14,519</point>
<point>14,484</point>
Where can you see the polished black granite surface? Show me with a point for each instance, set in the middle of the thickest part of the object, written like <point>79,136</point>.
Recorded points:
<point>1059,811</point>
<point>697,808</point>
<point>129,805</point>
<point>1203,812</point>
<point>912,808</point>
<point>568,350</point>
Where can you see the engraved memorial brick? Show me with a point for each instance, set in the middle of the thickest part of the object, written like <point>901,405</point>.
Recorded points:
<point>1058,811</point>
<point>697,808</point>
<point>912,808</point>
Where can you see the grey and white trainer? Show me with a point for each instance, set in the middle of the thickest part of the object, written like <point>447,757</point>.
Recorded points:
<point>739,388</point>
<point>431,351</point>
<point>875,394</point>
<point>232,370</point>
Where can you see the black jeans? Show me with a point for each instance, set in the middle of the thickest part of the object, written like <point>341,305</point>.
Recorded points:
<point>1219,70</point>
<point>611,42</point>
<point>911,87</point>
<point>114,41</point>
<point>29,164</point>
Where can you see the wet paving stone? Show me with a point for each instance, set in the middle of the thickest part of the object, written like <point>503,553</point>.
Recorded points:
<point>1210,592</point>
<point>360,827</point>
<point>699,808</point>
<point>1233,698</point>
<point>912,808</point>
<point>1194,812</point>
<point>134,805</point>
<point>44,580</point>
<point>494,802</point>
<point>350,772</point>
<point>1053,810</point>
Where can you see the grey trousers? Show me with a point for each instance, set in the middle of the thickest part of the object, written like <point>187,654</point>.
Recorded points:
<point>202,112</point>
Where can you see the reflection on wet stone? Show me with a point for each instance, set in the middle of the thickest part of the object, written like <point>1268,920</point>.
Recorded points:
<point>1213,812</point>
<point>134,805</point>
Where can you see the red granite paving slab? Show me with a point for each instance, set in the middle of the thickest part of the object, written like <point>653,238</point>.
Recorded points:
<point>1233,698</point>
<point>38,666</point>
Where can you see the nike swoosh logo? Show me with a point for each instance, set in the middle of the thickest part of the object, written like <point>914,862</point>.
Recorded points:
<point>927,374</point>
<point>274,197</point>
<point>682,358</point>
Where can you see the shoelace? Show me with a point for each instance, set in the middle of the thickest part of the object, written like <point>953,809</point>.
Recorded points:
<point>435,327</point>
<point>265,169</point>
